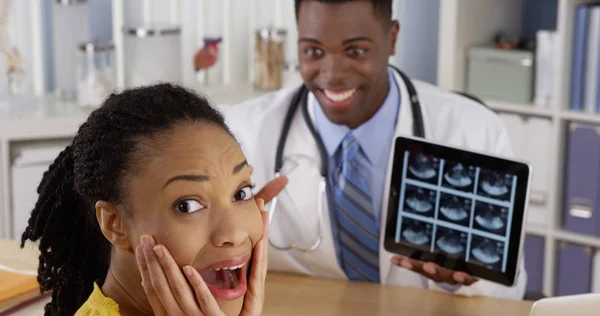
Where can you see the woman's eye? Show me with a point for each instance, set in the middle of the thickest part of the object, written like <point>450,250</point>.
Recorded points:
<point>243,194</point>
<point>188,206</point>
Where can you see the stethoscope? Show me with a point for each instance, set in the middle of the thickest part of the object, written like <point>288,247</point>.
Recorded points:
<point>301,99</point>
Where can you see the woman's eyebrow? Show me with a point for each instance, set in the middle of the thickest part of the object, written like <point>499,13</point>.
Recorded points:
<point>201,177</point>
<point>187,177</point>
<point>239,167</point>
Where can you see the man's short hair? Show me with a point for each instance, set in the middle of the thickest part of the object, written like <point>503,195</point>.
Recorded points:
<point>382,8</point>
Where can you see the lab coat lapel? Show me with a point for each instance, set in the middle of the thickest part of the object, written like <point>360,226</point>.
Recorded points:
<point>303,220</point>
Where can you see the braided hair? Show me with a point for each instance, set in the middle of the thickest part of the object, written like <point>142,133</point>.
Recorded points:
<point>73,251</point>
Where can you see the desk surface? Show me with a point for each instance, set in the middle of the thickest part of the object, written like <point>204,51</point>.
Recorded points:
<point>300,295</point>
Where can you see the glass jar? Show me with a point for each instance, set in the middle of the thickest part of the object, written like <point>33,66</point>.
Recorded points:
<point>152,54</point>
<point>269,57</point>
<point>16,79</point>
<point>70,26</point>
<point>95,73</point>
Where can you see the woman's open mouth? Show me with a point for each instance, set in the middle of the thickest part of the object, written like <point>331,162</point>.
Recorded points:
<point>226,279</point>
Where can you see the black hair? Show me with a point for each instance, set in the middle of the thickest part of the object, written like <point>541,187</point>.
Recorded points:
<point>73,251</point>
<point>382,8</point>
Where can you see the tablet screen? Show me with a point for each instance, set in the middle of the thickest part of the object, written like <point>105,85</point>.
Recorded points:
<point>460,209</point>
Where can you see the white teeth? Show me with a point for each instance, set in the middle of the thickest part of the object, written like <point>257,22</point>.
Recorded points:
<point>230,268</point>
<point>339,96</point>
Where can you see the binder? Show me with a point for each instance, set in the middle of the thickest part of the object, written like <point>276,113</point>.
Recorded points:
<point>592,60</point>
<point>534,262</point>
<point>578,59</point>
<point>536,151</point>
<point>574,267</point>
<point>582,183</point>
<point>515,128</point>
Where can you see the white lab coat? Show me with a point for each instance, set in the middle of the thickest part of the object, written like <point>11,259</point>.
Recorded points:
<point>257,124</point>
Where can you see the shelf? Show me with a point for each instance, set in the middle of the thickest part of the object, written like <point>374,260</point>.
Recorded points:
<point>582,117</point>
<point>519,108</point>
<point>535,229</point>
<point>580,239</point>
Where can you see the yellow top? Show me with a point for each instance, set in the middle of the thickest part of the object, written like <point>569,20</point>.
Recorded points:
<point>98,305</point>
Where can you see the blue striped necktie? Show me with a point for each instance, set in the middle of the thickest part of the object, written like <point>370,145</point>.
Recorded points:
<point>357,225</point>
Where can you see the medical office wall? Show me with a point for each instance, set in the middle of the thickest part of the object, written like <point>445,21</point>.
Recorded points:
<point>534,89</point>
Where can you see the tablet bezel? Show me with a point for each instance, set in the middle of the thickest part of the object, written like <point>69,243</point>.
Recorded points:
<point>521,169</point>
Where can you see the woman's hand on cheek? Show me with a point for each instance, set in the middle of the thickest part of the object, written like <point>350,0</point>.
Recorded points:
<point>166,287</point>
<point>255,297</point>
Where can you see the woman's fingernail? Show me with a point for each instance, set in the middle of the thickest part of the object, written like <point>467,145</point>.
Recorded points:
<point>188,271</point>
<point>146,241</point>
<point>158,251</point>
<point>460,278</point>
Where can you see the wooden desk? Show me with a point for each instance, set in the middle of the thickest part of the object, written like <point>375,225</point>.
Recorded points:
<point>300,295</point>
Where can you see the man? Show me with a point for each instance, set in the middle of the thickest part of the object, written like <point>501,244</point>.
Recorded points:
<point>358,106</point>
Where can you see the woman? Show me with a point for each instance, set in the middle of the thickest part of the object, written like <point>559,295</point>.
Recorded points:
<point>154,168</point>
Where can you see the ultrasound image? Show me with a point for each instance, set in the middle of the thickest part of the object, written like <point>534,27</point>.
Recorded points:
<point>487,252</point>
<point>459,176</point>
<point>490,218</point>
<point>451,242</point>
<point>423,168</point>
<point>417,233</point>
<point>455,209</point>
<point>495,185</point>
<point>419,201</point>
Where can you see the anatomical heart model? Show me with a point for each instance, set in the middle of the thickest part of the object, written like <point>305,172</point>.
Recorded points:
<point>208,56</point>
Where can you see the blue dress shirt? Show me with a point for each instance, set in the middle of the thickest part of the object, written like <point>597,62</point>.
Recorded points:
<point>375,137</point>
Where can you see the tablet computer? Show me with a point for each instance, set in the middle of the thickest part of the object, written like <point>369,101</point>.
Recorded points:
<point>460,209</point>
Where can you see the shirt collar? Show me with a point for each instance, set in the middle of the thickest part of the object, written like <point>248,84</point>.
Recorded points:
<point>370,134</point>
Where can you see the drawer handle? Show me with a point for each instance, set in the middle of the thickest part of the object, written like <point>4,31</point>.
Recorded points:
<point>581,212</point>
<point>538,198</point>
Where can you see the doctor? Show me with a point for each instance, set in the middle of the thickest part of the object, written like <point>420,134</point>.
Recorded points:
<point>333,142</point>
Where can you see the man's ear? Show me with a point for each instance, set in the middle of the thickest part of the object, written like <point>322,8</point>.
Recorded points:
<point>112,224</point>
<point>395,29</point>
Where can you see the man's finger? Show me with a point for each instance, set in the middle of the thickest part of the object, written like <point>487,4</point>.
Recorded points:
<point>153,299</point>
<point>272,189</point>
<point>439,274</point>
<point>464,278</point>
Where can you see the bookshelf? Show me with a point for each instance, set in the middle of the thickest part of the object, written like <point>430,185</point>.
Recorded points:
<point>467,23</point>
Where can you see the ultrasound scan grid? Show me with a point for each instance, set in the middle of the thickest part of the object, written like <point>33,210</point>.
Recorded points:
<point>495,185</point>
<point>417,233</point>
<point>458,229</point>
<point>486,252</point>
<point>490,218</point>
<point>419,201</point>
<point>451,242</point>
<point>455,209</point>
<point>459,176</point>
<point>423,168</point>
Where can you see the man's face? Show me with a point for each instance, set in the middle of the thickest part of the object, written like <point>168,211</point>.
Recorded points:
<point>343,51</point>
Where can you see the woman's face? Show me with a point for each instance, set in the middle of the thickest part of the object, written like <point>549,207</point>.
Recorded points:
<point>192,192</point>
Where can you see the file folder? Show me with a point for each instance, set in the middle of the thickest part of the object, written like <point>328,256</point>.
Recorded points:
<point>574,267</point>
<point>537,153</point>
<point>582,185</point>
<point>534,262</point>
